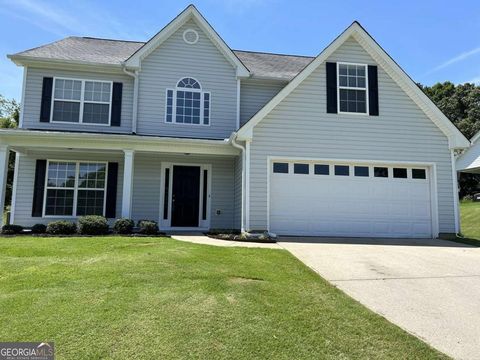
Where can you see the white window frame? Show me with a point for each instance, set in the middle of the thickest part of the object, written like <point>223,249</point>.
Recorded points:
<point>367,105</point>
<point>202,103</point>
<point>75,188</point>
<point>82,101</point>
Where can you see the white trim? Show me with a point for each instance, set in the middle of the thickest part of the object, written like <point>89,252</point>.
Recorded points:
<point>202,103</point>
<point>475,138</point>
<point>431,177</point>
<point>188,41</point>
<point>4,155</point>
<point>247,185</point>
<point>82,101</point>
<point>242,197</point>
<point>189,13</point>
<point>127,190</point>
<point>22,103</point>
<point>455,137</point>
<point>14,188</point>
<point>134,74</point>
<point>165,224</point>
<point>75,188</point>
<point>455,192</point>
<point>238,105</point>
<point>367,105</point>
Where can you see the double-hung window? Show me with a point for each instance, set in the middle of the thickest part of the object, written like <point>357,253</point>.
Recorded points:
<point>352,88</point>
<point>81,101</point>
<point>75,188</point>
<point>188,104</point>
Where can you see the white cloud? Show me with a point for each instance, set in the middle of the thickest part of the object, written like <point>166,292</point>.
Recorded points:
<point>71,18</point>
<point>475,80</point>
<point>455,59</point>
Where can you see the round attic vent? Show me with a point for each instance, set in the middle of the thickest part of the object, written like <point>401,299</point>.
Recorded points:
<point>190,36</point>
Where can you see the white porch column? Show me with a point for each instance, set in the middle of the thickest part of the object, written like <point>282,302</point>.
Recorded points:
<point>4,151</point>
<point>127,183</point>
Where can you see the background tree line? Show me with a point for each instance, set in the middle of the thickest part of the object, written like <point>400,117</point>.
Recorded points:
<point>460,103</point>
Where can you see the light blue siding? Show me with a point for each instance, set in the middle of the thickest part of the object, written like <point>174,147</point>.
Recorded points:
<point>173,60</point>
<point>300,127</point>
<point>255,94</point>
<point>33,97</point>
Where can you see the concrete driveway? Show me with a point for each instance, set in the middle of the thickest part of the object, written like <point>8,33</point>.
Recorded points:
<point>430,288</point>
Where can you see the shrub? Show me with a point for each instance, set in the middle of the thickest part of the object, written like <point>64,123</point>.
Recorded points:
<point>123,226</point>
<point>61,227</point>
<point>468,198</point>
<point>92,225</point>
<point>11,229</point>
<point>148,227</point>
<point>39,229</point>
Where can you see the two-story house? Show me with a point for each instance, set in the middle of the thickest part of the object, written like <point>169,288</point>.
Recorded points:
<point>184,130</point>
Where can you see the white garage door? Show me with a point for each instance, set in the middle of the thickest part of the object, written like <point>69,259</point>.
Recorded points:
<point>357,200</point>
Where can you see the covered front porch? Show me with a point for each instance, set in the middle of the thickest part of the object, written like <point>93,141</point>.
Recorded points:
<point>183,184</point>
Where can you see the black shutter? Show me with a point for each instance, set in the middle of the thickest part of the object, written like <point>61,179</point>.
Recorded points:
<point>39,188</point>
<point>111,201</point>
<point>331,88</point>
<point>116,104</point>
<point>46,103</point>
<point>373,90</point>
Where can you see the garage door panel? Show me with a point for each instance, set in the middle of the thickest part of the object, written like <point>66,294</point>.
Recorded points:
<point>329,205</point>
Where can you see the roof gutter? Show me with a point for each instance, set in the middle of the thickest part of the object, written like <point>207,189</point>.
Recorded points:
<point>234,143</point>
<point>133,74</point>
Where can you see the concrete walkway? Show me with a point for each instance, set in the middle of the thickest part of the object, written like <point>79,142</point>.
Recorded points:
<point>199,238</point>
<point>430,288</point>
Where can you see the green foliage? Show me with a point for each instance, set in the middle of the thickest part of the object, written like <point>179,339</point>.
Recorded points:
<point>460,103</point>
<point>11,229</point>
<point>39,229</point>
<point>148,227</point>
<point>123,226</point>
<point>92,225</point>
<point>61,227</point>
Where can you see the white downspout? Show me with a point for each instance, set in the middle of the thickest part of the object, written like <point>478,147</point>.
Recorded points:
<point>455,193</point>
<point>134,74</point>
<point>238,146</point>
<point>238,104</point>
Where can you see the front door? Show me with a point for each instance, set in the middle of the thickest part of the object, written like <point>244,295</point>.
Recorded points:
<point>185,196</point>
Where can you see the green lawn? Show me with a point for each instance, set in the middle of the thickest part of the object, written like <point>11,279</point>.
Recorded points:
<point>157,298</point>
<point>470,217</point>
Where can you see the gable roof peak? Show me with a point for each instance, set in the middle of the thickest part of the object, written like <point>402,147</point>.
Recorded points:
<point>190,12</point>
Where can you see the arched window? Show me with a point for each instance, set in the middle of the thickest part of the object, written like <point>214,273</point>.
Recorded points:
<point>187,103</point>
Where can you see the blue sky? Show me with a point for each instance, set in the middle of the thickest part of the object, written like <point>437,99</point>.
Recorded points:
<point>432,40</point>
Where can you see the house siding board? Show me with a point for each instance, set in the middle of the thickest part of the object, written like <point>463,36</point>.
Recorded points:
<point>26,177</point>
<point>33,98</point>
<point>300,127</point>
<point>254,94</point>
<point>173,60</point>
<point>146,186</point>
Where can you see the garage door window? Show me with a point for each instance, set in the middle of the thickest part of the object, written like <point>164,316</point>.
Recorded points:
<point>419,174</point>
<point>280,168</point>
<point>300,168</point>
<point>400,173</point>
<point>380,172</point>
<point>361,171</point>
<point>342,170</point>
<point>322,169</point>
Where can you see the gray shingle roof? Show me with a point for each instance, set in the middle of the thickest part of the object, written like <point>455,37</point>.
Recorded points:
<point>113,52</point>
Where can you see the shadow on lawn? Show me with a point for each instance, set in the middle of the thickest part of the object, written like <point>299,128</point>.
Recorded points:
<point>458,242</point>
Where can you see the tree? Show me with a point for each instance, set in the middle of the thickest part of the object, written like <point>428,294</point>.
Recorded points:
<point>9,117</point>
<point>461,104</point>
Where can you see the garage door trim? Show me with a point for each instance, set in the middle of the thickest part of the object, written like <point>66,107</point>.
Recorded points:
<point>430,166</point>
